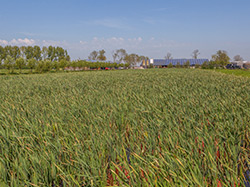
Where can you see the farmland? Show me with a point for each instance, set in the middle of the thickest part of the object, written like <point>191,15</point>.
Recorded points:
<point>240,72</point>
<point>156,127</point>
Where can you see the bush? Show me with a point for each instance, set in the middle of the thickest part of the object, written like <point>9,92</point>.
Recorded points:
<point>170,65</point>
<point>178,65</point>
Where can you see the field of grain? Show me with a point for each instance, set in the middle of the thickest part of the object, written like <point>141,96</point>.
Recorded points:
<point>158,127</point>
<point>238,72</point>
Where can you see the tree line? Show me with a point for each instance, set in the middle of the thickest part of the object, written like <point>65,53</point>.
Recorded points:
<point>119,56</point>
<point>218,60</point>
<point>47,65</point>
<point>56,58</point>
<point>29,52</point>
<point>33,57</point>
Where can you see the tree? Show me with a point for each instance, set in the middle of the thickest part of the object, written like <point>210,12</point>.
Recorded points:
<point>44,53</point>
<point>31,64</point>
<point>221,58</point>
<point>187,64</point>
<point>205,65</point>
<point>93,55</point>
<point>60,53</point>
<point>9,63</point>
<point>20,63</point>
<point>178,65</point>
<point>238,58</point>
<point>15,52</point>
<point>62,64</point>
<point>197,66</point>
<point>51,53</point>
<point>2,54</point>
<point>37,53</point>
<point>67,58</point>
<point>168,56</point>
<point>120,55</point>
<point>101,55</point>
<point>22,51</point>
<point>195,54</point>
<point>47,65</point>
<point>132,59</point>
<point>170,65</point>
<point>29,52</point>
<point>40,66</point>
<point>114,55</point>
<point>126,65</point>
<point>55,65</point>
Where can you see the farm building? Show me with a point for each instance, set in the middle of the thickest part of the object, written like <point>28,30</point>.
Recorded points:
<point>174,62</point>
<point>242,64</point>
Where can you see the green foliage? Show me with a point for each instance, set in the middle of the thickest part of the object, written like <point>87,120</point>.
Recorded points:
<point>124,128</point>
<point>40,66</point>
<point>132,59</point>
<point>197,66</point>
<point>63,63</point>
<point>37,53</point>
<point>55,65</point>
<point>20,63</point>
<point>47,65</point>
<point>93,55</point>
<point>150,66</point>
<point>9,63</point>
<point>32,64</point>
<point>178,65</point>
<point>205,65</point>
<point>2,54</point>
<point>240,72</point>
<point>119,55</point>
<point>29,52</point>
<point>221,58</point>
<point>101,56</point>
<point>170,65</point>
<point>186,64</point>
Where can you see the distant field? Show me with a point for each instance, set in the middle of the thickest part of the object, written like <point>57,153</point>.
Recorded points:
<point>156,127</point>
<point>16,72</point>
<point>243,73</point>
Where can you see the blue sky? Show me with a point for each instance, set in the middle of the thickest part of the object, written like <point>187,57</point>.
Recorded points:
<point>147,27</point>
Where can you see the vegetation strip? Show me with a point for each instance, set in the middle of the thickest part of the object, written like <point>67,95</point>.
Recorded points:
<point>156,127</point>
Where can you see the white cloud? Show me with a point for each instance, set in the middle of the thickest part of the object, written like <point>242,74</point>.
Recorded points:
<point>26,42</point>
<point>4,42</point>
<point>20,41</point>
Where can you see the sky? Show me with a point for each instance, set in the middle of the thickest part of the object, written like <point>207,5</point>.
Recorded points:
<point>147,27</point>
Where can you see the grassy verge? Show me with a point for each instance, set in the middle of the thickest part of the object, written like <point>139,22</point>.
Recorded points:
<point>243,73</point>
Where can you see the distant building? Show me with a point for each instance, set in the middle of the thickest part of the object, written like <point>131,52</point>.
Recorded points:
<point>246,65</point>
<point>242,64</point>
<point>174,62</point>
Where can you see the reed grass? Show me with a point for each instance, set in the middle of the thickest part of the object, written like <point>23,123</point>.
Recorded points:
<point>158,127</point>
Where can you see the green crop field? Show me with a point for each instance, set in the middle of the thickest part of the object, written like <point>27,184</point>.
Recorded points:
<point>156,127</point>
<point>238,72</point>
